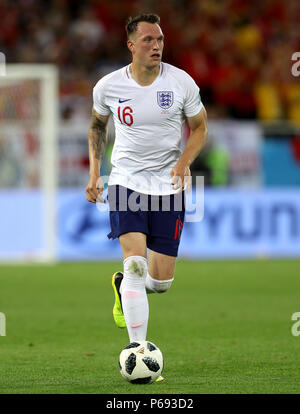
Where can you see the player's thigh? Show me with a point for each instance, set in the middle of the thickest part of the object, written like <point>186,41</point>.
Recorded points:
<point>161,266</point>
<point>133,244</point>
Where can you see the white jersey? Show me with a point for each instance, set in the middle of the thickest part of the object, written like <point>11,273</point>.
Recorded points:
<point>148,125</point>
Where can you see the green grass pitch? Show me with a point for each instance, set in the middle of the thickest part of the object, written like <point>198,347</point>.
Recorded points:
<point>224,327</point>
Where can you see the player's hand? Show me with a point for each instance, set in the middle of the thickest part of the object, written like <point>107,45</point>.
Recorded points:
<point>181,177</point>
<point>94,190</point>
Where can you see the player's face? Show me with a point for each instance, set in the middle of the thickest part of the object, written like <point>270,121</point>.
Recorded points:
<point>147,44</point>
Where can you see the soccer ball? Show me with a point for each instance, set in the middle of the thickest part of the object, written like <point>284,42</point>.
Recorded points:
<point>141,362</point>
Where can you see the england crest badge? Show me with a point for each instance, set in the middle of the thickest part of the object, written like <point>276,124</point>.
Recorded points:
<point>165,99</point>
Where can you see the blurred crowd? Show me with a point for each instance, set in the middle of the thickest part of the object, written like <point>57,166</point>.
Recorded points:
<point>239,52</point>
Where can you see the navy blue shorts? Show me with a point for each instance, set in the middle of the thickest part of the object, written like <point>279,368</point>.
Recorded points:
<point>161,218</point>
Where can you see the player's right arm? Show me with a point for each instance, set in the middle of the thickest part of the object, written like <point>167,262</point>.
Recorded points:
<point>97,142</point>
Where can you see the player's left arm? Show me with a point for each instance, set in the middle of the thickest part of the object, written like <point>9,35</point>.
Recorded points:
<point>195,143</point>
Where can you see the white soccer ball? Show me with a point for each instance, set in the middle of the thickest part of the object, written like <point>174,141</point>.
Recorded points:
<point>141,362</point>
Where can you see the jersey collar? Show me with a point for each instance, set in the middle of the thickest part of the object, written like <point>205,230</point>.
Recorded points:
<point>128,75</point>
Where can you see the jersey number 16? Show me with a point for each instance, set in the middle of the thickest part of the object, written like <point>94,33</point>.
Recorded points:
<point>125,117</point>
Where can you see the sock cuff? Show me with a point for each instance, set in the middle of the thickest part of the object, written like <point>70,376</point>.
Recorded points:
<point>142,258</point>
<point>157,286</point>
<point>159,281</point>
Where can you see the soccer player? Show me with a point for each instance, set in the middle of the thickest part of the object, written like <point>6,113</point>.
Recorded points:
<point>149,101</point>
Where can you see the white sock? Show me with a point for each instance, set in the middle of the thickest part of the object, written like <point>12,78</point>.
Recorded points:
<point>134,298</point>
<point>157,286</point>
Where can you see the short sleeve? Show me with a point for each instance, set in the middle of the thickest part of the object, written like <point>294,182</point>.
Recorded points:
<point>99,99</point>
<point>192,101</point>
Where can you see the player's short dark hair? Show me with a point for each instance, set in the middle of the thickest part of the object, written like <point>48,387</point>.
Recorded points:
<point>132,22</point>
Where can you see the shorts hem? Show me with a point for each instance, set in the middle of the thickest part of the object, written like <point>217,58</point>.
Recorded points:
<point>162,250</point>
<point>114,236</point>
